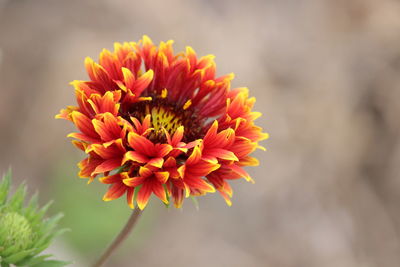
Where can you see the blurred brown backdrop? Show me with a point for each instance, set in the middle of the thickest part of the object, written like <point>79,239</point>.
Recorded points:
<point>326,77</point>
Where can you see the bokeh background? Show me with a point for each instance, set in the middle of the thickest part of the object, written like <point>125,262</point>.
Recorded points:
<point>326,78</point>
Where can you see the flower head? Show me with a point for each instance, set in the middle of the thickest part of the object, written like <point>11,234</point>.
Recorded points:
<point>23,231</point>
<point>155,122</point>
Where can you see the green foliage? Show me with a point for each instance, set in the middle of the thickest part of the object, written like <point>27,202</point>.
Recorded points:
<point>24,230</point>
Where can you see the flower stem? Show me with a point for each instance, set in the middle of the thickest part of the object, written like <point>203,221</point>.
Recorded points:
<point>120,238</point>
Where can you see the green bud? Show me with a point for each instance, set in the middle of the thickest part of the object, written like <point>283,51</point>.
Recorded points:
<point>18,231</point>
<point>24,230</point>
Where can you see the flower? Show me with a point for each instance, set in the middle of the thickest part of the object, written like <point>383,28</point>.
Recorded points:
<point>155,122</point>
<point>23,231</point>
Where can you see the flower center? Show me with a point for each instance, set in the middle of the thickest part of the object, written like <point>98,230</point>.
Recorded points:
<point>164,118</point>
<point>15,231</point>
<point>168,116</point>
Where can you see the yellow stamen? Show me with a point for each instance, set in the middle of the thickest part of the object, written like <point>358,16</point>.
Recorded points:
<point>162,118</point>
<point>187,104</point>
<point>164,93</point>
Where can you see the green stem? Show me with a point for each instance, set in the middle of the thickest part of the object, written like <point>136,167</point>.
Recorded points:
<point>120,238</point>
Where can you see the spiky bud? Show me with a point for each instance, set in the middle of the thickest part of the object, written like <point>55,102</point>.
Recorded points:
<point>24,232</point>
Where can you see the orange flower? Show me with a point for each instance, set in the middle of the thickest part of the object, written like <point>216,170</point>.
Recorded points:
<point>155,122</point>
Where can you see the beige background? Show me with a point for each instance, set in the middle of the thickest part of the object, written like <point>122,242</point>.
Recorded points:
<point>326,77</point>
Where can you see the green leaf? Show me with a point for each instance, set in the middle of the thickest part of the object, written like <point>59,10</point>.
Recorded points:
<point>52,222</point>
<point>18,256</point>
<point>5,187</point>
<point>33,260</point>
<point>52,263</point>
<point>30,210</point>
<point>44,209</point>
<point>16,201</point>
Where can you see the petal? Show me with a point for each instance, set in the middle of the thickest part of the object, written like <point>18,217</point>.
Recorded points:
<point>241,172</point>
<point>130,194</point>
<point>181,170</point>
<point>163,149</point>
<point>156,162</point>
<point>66,113</point>
<point>114,192</point>
<point>177,194</point>
<point>178,135</point>
<point>144,195</point>
<point>84,124</point>
<point>87,166</point>
<point>143,82</point>
<point>226,198</point>
<point>198,183</point>
<point>221,153</point>
<point>141,144</point>
<point>162,177</point>
<point>107,165</point>
<point>249,161</point>
<point>145,172</point>
<point>129,78</point>
<point>112,179</point>
<point>170,162</point>
<point>134,182</point>
<point>110,150</point>
<point>80,145</point>
<point>109,129</point>
<point>200,169</point>
<point>159,191</point>
<point>134,156</point>
<point>194,157</point>
<point>84,137</point>
<point>211,133</point>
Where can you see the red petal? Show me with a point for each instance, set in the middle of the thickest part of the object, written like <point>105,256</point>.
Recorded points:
<point>135,156</point>
<point>198,183</point>
<point>87,166</point>
<point>112,179</point>
<point>163,149</point>
<point>221,153</point>
<point>130,193</point>
<point>114,192</point>
<point>142,82</point>
<point>159,191</point>
<point>141,144</point>
<point>178,135</point>
<point>156,162</point>
<point>162,176</point>
<point>84,124</point>
<point>144,195</point>
<point>241,172</point>
<point>109,150</point>
<point>145,172</point>
<point>134,182</point>
<point>194,157</point>
<point>203,168</point>
<point>107,165</point>
<point>84,137</point>
<point>129,78</point>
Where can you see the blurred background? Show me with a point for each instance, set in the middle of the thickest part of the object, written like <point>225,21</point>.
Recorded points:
<point>326,78</point>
